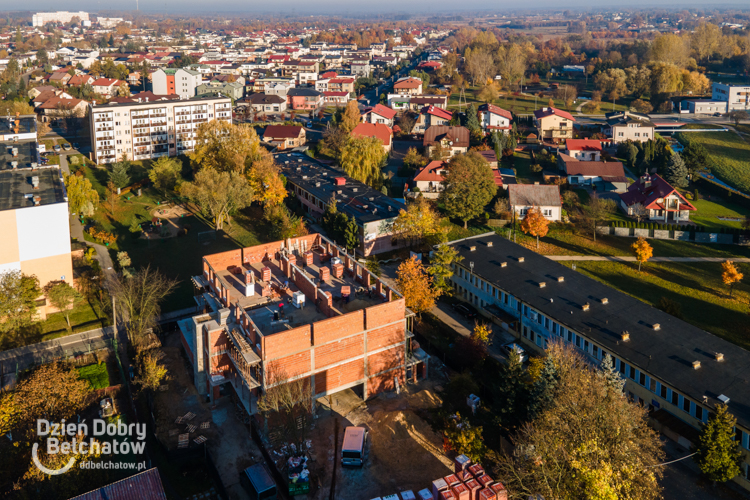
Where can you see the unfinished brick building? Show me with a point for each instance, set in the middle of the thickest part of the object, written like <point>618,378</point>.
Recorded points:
<point>298,308</point>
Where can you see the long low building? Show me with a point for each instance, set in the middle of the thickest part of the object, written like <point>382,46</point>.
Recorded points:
<point>149,129</point>
<point>314,183</point>
<point>677,370</point>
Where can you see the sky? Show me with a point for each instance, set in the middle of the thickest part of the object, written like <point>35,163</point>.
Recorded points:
<point>349,7</point>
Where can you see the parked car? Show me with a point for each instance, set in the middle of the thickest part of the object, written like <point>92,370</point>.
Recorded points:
<point>56,147</point>
<point>465,310</point>
<point>75,145</point>
<point>512,346</point>
<point>66,147</point>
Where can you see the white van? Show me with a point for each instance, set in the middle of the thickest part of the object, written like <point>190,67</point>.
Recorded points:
<point>353,447</point>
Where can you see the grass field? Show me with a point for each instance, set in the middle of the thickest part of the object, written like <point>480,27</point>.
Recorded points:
<point>96,374</point>
<point>696,287</point>
<point>709,211</point>
<point>729,156</point>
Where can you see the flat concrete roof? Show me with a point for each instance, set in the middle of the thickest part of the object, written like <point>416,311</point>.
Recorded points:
<point>27,124</point>
<point>17,190</point>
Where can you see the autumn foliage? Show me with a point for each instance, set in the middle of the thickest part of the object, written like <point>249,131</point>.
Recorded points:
<point>642,250</point>
<point>535,224</point>
<point>730,275</point>
<point>416,285</point>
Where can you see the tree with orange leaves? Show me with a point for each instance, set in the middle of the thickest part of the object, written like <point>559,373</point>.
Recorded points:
<point>416,285</point>
<point>642,250</point>
<point>730,275</point>
<point>535,224</point>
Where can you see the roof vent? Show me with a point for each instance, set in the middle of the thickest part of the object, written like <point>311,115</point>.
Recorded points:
<point>304,177</point>
<point>719,356</point>
<point>286,162</point>
<point>472,248</point>
<point>489,244</point>
<point>354,189</point>
<point>503,264</point>
<point>317,184</point>
<point>35,182</point>
<point>724,399</point>
<point>542,284</point>
<point>521,259</point>
<point>657,326</point>
<point>696,365</point>
<point>37,200</point>
<point>605,300</point>
<point>625,336</point>
<point>14,164</point>
<point>586,306</point>
<point>560,279</point>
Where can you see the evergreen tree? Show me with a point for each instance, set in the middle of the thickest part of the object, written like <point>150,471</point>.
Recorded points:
<point>441,267</point>
<point>676,172</point>
<point>630,154</point>
<point>351,234</point>
<point>696,157</point>
<point>511,393</point>
<point>119,174</point>
<point>543,389</point>
<point>472,120</point>
<point>611,375</point>
<point>717,453</point>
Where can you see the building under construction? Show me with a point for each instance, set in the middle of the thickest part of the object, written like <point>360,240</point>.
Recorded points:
<point>299,308</point>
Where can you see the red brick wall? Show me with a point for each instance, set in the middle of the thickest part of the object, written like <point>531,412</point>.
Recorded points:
<point>217,341</point>
<point>385,360</point>
<point>258,253</point>
<point>288,366</point>
<point>222,261</point>
<point>220,363</point>
<point>382,383</point>
<point>284,343</point>
<point>305,285</point>
<point>384,313</point>
<point>339,351</point>
<point>385,336</point>
<point>337,327</point>
<point>340,375</point>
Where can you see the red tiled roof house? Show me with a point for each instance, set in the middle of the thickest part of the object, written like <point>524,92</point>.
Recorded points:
<point>661,201</point>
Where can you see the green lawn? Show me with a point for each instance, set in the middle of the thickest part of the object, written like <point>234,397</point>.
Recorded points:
<point>697,287</point>
<point>522,162</point>
<point>96,374</point>
<point>84,317</point>
<point>564,239</point>
<point>709,211</point>
<point>729,157</point>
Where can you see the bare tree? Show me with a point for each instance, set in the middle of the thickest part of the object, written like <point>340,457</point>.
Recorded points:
<point>139,299</point>
<point>290,398</point>
<point>639,211</point>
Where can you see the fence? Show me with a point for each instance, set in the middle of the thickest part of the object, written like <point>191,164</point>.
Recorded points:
<point>669,234</point>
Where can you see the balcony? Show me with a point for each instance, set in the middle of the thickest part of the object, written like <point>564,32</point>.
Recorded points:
<point>244,358</point>
<point>103,129</point>
<point>158,124</point>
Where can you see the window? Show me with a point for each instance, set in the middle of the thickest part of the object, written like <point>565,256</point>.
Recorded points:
<point>698,412</point>
<point>570,336</point>
<point>663,393</point>
<point>596,352</point>
<point>548,212</point>
<point>631,375</point>
<point>675,398</point>
<point>686,404</point>
<point>642,379</point>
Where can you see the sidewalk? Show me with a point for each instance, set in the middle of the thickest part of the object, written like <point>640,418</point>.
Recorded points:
<point>617,258</point>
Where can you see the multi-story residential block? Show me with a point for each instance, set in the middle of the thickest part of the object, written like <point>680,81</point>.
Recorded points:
<point>737,97</point>
<point>360,68</point>
<point>180,81</point>
<point>150,129</point>
<point>553,124</point>
<point>625,126</point>
<point>305,99</point>
<point>679,372</point>
<point>314,184</point>
<point>61,17</point>
<point>33,208</point>
<point>298,308</point>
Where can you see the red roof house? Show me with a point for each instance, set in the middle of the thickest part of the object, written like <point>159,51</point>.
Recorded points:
<point>377,130</point>
<point>661,201</point>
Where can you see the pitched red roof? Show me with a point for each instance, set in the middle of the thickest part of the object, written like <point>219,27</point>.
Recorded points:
<point>430,172</point>
<point>458,135</point>
<point>439,112</point>
<point>545,112</point>
<point>648,190</point>
<point>105,82</point>
<point>281,132</point>
<point>408,83</point>
<point>383,111</point>
<point>495,110</point>
<point>79,80</point>
<point>57,103</point>
<point>378,130</point>
<point>144,486</point>
<point>583,145</point>
<point>332,93</point>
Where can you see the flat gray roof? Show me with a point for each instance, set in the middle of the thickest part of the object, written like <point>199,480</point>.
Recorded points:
<point>17,190</point>
<point>667,353</point>
<point>26,124</point>
<point>24,153</point>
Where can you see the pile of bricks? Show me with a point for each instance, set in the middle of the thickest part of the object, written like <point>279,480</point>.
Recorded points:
<point>468,482</point>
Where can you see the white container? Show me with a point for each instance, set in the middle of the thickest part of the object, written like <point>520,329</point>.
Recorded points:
<point>298,300</point>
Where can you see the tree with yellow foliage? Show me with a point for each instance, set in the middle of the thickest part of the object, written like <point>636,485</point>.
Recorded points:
<point>416,285</point>
<point>642,250</point>
<point>535,224</point>
<point>417,222</point>
<point>481,333</point>
<point>264,177</point>
<point>730,275</point>
<point>351,117</point>
<point>224,146</point>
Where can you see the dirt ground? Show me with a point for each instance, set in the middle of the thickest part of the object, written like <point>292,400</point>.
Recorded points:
<point>172,216</point>
<point>229,442</point>
<point>403,451</point>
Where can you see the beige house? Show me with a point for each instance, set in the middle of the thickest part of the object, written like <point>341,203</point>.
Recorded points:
<point>408,86</point>
<point>452,140</point>
<point>626,126</point>
<point>284,136</point>
<point>553,125</point>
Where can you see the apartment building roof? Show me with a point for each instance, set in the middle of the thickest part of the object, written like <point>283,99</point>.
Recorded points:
<point>659,344</point>
<point>26,124</point>
<point>354,198</point>
<point>99,107</point>
<point>17,187</point>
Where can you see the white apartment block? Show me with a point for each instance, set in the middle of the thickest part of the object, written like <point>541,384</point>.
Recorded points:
<point>42,18</point>
<point>182,82</point>
<point>737,97</point>
<point>147,130</point>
